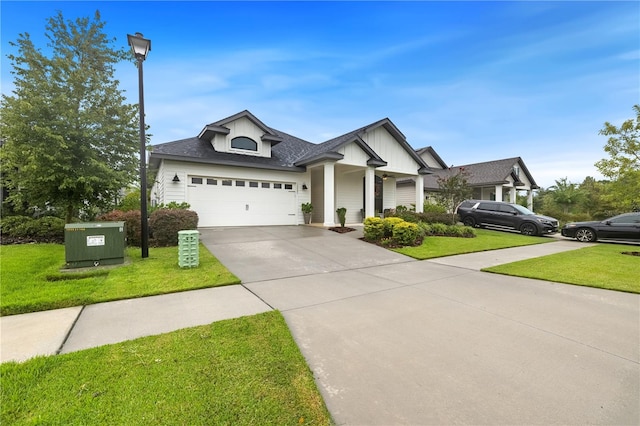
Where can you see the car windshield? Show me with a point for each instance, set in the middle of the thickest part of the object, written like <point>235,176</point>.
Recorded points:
<point>522,210</point>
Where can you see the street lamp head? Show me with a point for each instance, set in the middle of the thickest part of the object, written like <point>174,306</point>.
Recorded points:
<point>140,46</point>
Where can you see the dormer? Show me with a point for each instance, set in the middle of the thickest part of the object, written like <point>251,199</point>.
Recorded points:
<point>242,134</point>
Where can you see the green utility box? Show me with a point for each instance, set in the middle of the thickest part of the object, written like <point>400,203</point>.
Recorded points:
<point>188,244</point>
<point>94,244</point>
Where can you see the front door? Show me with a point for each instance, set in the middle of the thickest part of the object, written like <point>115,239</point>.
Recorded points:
<point>378,189</point>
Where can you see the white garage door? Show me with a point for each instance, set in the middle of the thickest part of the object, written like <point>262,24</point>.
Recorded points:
<point>241,202</point>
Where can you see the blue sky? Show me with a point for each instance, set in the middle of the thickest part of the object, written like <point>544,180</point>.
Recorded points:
<point>477,81</point>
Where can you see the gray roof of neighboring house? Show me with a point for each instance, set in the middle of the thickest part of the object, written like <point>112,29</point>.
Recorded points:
<point>287,153</point>
<point>433,154</point>
<point>486,173</point>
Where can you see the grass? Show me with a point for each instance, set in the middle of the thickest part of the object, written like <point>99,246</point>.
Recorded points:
<point>485,240</point>
<point>601,266</point>
<point>246,371</point>
<point>31,280</point>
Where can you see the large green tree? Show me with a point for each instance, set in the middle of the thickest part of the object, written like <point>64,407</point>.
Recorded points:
<point>69,137</point>
<point>623,164</point>
<point>565,194</point>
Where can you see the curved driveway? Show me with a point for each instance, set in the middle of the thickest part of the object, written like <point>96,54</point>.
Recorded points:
<point>391,340</point>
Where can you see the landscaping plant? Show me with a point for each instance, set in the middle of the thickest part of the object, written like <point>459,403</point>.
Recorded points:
<point>164,225</point>
<point>21,229</point>
<point>132,220</point>
<point>405,233</point>
<point>342,215</point>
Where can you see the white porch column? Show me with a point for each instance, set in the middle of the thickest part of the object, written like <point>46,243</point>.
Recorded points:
<point>329,194</point>
<point>530,199</point>
<point>369,192</point>
<point>512,195</point>
<point>419,194</point>
<point>498,192</point>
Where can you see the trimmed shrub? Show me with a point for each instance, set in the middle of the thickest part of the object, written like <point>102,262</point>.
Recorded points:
<point>164,225</point>
<point>442,230</point>
<point>388,223</point>
<point>454,231</point>
<point>424,229</point>
<point>406,233</point>
<point>48,228</point>
<point>20,229</point>
<point>10,226</point>
<point>133,225</point>
<point>373,229</point>
<point>468,232</point>
<point>428,217</point>
<point>438,229</point>
<point>16,229</point>
<point>433,208</point>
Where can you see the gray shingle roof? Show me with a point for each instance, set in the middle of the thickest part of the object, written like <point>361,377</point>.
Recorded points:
<point>287,153</point>
<point>487,173</point>
<point>283,155</point>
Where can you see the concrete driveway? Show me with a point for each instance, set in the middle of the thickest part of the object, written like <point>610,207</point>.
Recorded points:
<point>391,340</point>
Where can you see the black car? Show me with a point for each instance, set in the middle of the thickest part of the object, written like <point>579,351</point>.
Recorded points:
<point>622,227</point>
<point>497,214</point>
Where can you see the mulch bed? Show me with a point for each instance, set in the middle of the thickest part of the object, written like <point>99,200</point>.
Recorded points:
<point>341,229</point>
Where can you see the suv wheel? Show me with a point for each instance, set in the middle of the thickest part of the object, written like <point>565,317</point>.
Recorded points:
<point>528,229</point>
<point>469,221</point>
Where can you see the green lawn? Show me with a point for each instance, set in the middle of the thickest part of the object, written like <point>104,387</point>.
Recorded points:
<point>485,240</point>
<point>246,371</point>
<point>601,266</point>
<point>31,278</point>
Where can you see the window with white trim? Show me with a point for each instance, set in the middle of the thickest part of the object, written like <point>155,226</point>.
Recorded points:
<point>243,142</point>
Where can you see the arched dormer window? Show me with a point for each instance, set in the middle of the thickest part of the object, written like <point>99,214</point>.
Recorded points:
<point>243,142</point>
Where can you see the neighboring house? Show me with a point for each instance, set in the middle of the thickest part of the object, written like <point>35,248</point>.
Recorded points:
<point>238,171</point>
<point>491,180</point>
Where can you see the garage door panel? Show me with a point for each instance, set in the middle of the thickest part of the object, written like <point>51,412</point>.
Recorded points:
<point>221,205</point>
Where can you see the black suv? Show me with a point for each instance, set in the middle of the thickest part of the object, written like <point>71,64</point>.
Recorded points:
<point>508,216</point>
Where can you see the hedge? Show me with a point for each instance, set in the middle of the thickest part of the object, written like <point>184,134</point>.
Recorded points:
<point>133,224</point>
<point>164,225</point>
<point>16,229</point>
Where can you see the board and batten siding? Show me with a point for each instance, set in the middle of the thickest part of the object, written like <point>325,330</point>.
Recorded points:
<point>389,149</point>
<point>242,127</point>
<point>430,161</point>
<point>353,155</point>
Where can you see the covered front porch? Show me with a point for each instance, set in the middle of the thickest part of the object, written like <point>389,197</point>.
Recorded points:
<point>363,191</point>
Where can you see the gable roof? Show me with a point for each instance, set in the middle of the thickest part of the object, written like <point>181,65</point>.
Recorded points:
<point>329,150</point>
<point>432,152</point>
<point>287,153</point>
<point>197,150</point>
<point>487,173</point>
<point>210,130</point>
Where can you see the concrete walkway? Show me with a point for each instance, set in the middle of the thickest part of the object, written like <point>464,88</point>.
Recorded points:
<point>391,340</point>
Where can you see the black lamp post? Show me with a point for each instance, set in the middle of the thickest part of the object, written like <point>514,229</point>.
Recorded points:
<point>141,47</point>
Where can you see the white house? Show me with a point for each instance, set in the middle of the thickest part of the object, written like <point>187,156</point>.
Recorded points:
<point>239,172</point>
<point>490,180</point>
